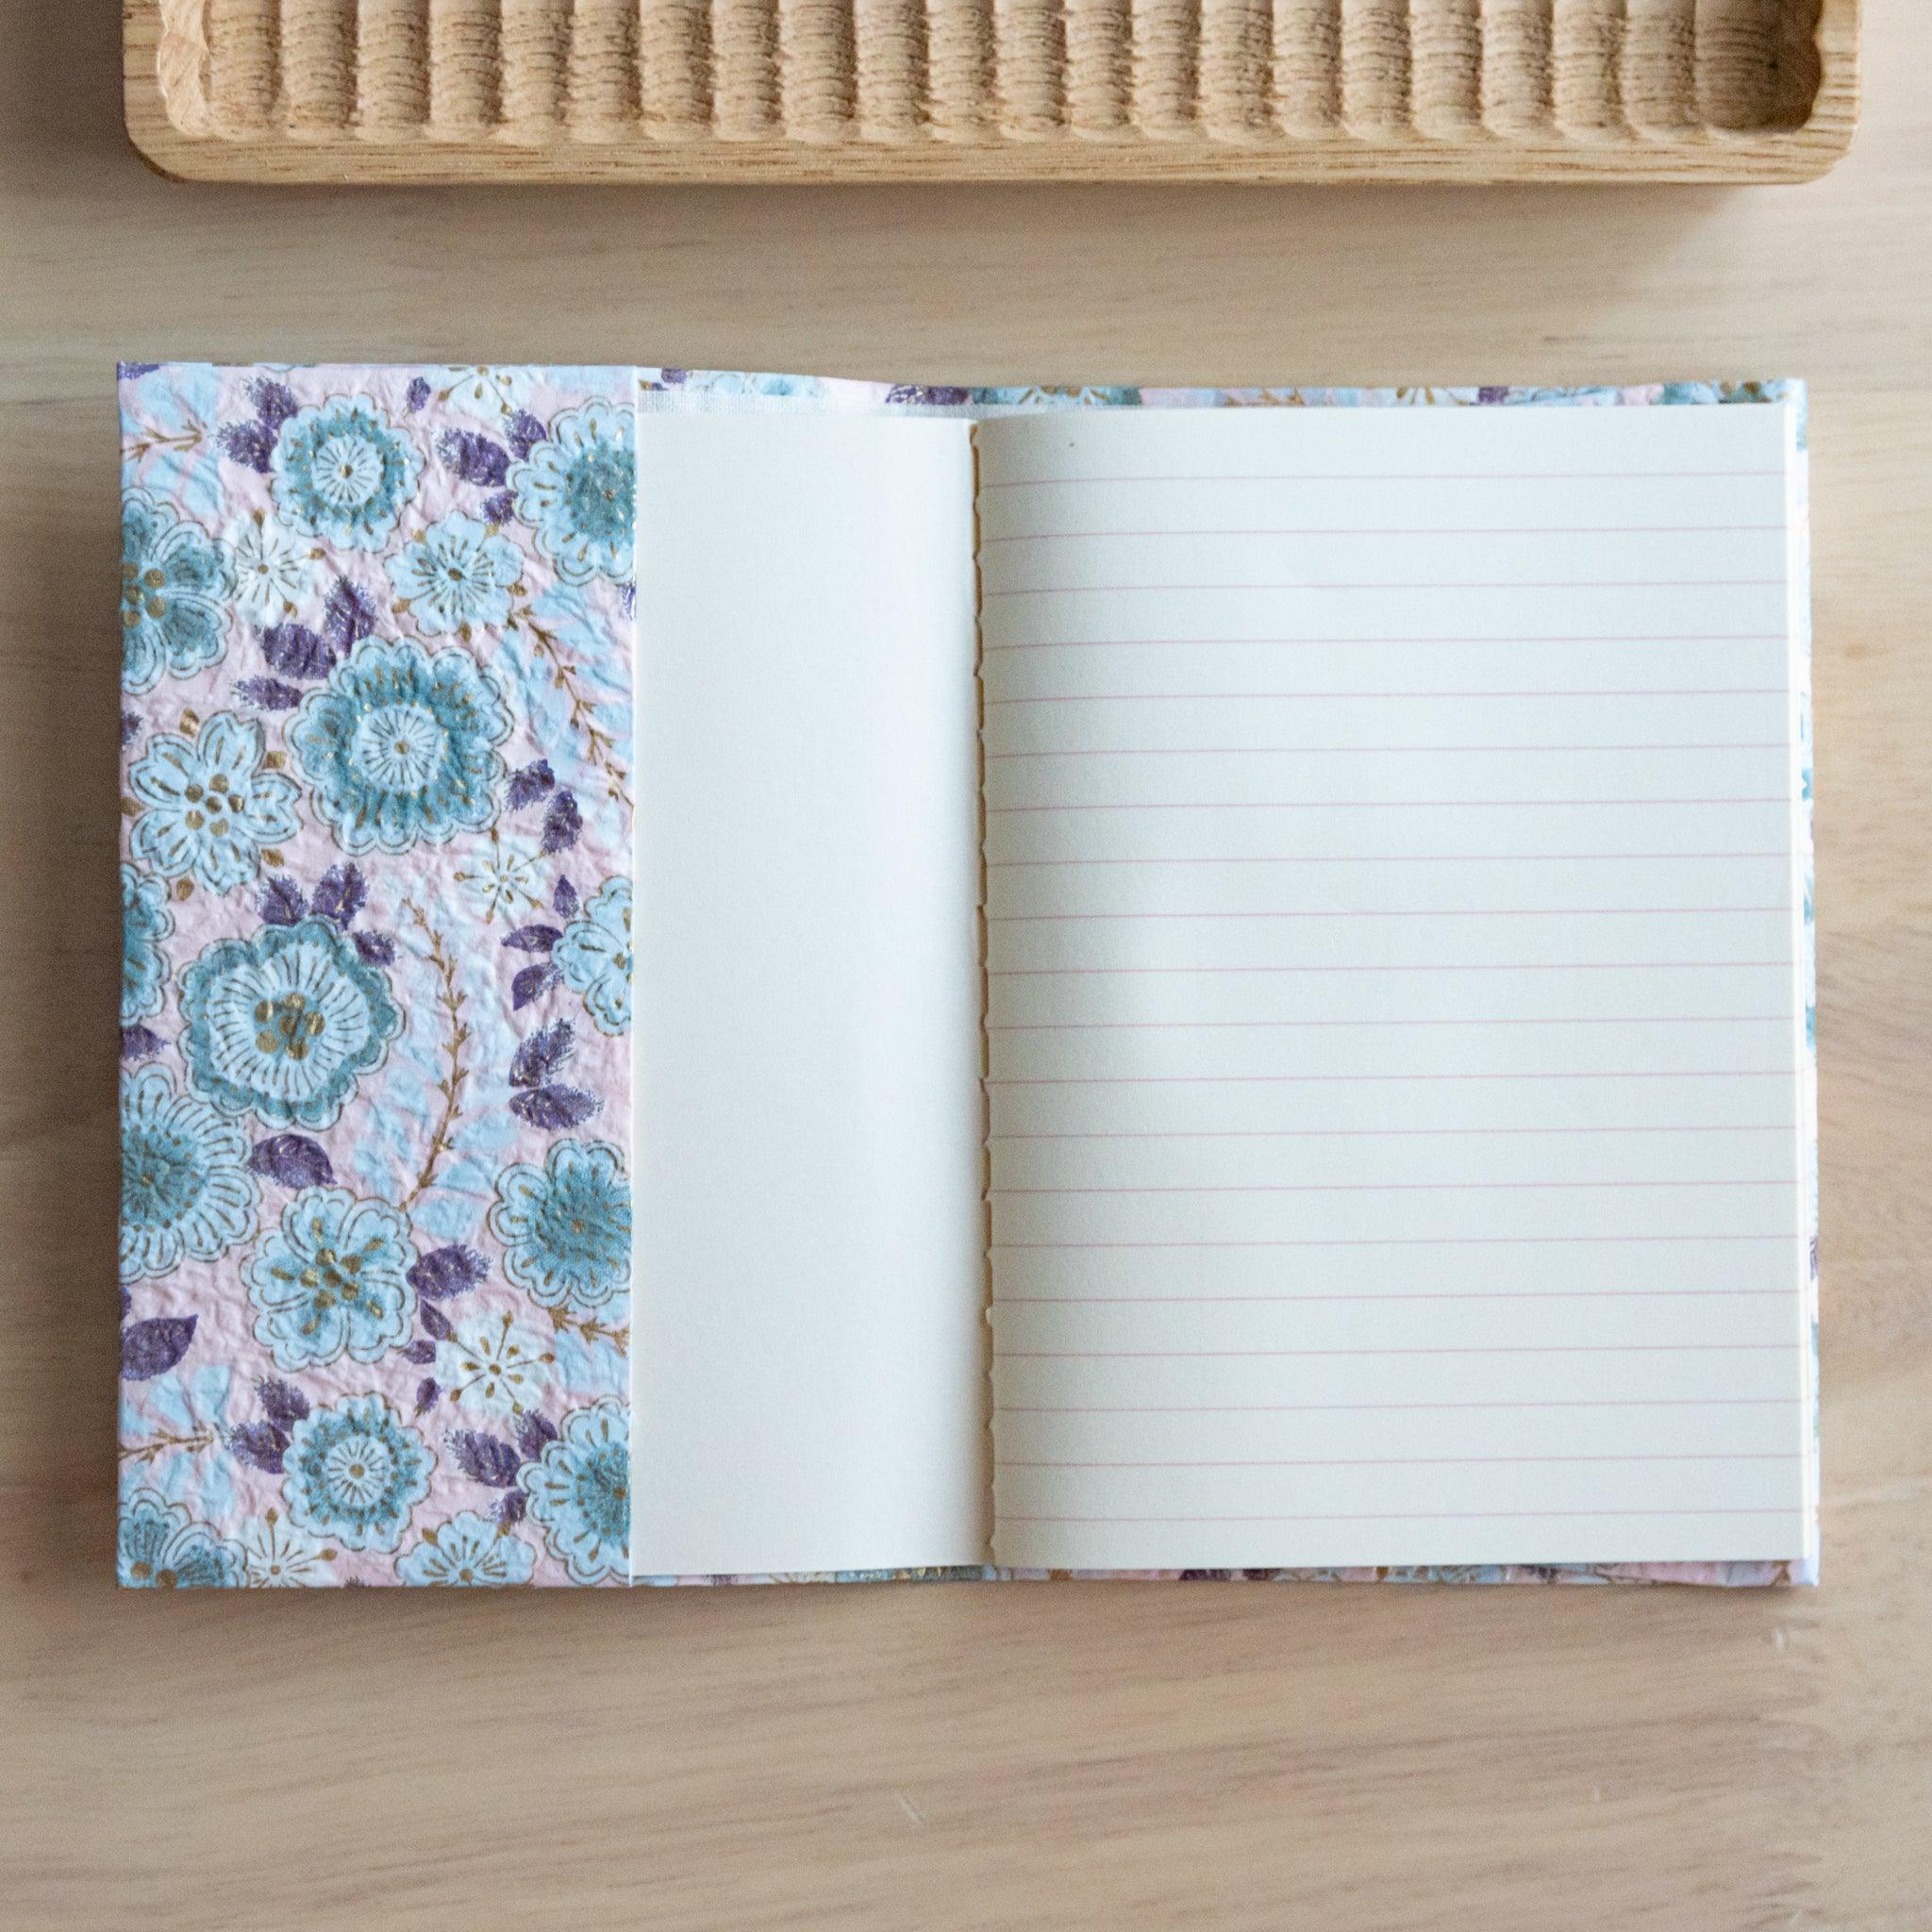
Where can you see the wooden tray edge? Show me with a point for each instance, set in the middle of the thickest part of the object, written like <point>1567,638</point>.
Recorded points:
<point>162,81</point>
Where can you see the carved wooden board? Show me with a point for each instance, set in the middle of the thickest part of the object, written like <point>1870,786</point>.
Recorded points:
<point>875,89</point>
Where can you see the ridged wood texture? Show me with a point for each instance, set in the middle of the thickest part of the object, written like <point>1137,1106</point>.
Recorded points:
<point>399,89</point>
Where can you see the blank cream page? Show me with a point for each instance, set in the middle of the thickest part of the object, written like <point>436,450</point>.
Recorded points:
<point>810,1340</point>
<point>1395,856</point>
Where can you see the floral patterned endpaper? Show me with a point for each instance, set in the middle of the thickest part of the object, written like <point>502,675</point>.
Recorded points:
<point>376,987</point>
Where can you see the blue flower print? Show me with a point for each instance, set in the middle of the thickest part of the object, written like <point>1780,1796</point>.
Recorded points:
<point>468,1550</point>
<point>577,489</point>
<point>332,1280</point>
<point>353,1473</point>
<point>284,1025</point>
<point>565,1226</point>
<point>458,573</point>
<point>161,1547</point>
<point>273,569</point>
<point>145,921</point>
<point>209,803</point>
<point>174,588</point>
<point>503,878</point>
<point>495,1366</point>
<point>276,1555</point>
<point>579,1493</point>
<point>400,746</point>
<point>343,473</point>
<point>595,956</point>
<point>186,1190</point>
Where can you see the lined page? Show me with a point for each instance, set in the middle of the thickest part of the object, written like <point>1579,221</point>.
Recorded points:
<point>808,1367</point>
<point>1396,1024</point>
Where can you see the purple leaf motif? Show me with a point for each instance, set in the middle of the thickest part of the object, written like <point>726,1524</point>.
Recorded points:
<point>271,693</point>
<point>455,1270</point>
<point>937,397</point>
<point>260,1443</point>
<point>348,618</point>
<point>421,1353</point>
<point>533,1434</point>
<point>533,939</point>
<point>529,785</point>
<point>251,444</point>
<point>436,1324</point>
<point>152,1348</point>
<point>419,393</point>
<point>553,1107</point>
<point>501,507</point>
<point>283,1403</point>
<point>130,727</point>
<point>488,1458</point>
<point>274,402</point>
<point>281,901</point>
<point>525,433</point>
<point>473,458</point>
<point>562,823</point>
<point>139,1044</point>
<point>427,1392</point>
<point>531,984</point>
<point>297,651</point>
<point>133,372</point>
<point>292,1160</point>
<point>341,895</point>
<point>509,1512</point>
<point>544,1053</point>
<point>565,898</point>
<point>378,948</point>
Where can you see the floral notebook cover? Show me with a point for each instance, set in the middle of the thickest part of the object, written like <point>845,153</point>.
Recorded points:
<point>375,1243</point>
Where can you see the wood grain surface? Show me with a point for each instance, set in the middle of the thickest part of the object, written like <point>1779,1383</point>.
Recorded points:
<point>1105,1755</point>
<point>393,90</point>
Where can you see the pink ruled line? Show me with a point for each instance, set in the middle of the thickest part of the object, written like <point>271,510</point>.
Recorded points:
<point>1401,530</point>
<point>1430,1240</point>
<point>1396,1186</point>
<point>1401,1408</point>
<point>1406,1516</point>
<point>1391,859</point>
<point>1727,637</point>
<point>1235,751</point>
<point>1266,1026</point>
<point>1403,913</point>
<point>1512,584</point>
<point>1377,1133</point>
<point>1368,804</point>
<point>1299,1079</point>
<point>1485,1294</point>
<point>1526,966</point>
<point>1418,1461</point>
<point>1199,697</point>
<point>1190,1355</point>
<point>1403,476</point>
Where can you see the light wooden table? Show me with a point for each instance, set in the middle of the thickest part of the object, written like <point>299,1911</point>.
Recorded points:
<point>1103,1756</point>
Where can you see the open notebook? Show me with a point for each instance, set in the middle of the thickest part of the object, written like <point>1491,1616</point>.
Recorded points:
<point>789,979</point>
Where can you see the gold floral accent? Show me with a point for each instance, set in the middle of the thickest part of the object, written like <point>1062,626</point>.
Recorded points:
<point>451,1085</point>
<point>207,1437</point>
<point>600,747</point>
<point>148,443</point>
<point>589,1328</point>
